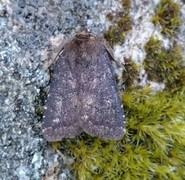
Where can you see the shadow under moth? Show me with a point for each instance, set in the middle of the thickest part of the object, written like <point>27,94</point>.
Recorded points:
<point>83,95</point>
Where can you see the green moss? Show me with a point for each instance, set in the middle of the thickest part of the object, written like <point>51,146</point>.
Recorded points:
<point>153,147</point>
<point>126,4</point>
<point>164,65</point>
<point>110,17</point>
<point>122,24</point>
<point>167,15</point>
<point>130,73</point>
<point>114,35</point>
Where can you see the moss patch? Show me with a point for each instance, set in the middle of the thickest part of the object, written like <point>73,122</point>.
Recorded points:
<point>122,24</point>
<point>130,74</point>
<point>164,65</point>
<point>167,15</point>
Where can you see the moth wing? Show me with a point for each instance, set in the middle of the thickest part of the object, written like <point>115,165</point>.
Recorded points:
<point>102,115</point>
<point>61,113</point>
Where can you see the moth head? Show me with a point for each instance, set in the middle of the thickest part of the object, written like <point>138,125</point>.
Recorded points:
<point>84,36</point>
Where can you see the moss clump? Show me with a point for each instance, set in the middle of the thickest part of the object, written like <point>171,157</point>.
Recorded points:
<point>126,4</point>
<point>164,65</point>
<point>122,23</point>
<point>153,147</point>
<point>114,35</point>
<point>130,73</point>
<point>167,15</point>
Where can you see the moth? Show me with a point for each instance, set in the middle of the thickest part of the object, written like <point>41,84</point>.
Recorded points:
<point>83,95</point>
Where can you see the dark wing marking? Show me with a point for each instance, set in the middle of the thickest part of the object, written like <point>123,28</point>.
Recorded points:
<point>61,115</point>
<point>102,114</point>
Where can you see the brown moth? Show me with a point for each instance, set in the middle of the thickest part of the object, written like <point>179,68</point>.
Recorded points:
<point>83,95</point>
